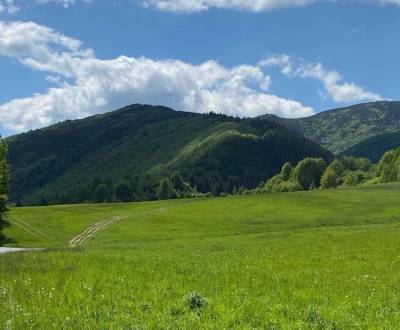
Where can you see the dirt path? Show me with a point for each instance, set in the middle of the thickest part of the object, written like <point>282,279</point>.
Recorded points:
<point>4,250</point>
<point>91,231</point>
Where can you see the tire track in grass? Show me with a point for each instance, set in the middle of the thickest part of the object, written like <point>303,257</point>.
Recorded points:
<point>92,230</point>
<point>29,229</point>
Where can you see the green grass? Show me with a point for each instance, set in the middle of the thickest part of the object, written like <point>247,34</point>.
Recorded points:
<point>319,260</point>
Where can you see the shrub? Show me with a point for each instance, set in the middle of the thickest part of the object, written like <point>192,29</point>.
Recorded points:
<point>195,301</point>
<point>272,184</point>
<point>355,178</point>
<point>289,186</point>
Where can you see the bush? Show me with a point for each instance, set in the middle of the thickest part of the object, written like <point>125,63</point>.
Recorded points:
<point>290,186</point>
<point>195,301</point>
<point>273,184</point>
<point>355,178</point>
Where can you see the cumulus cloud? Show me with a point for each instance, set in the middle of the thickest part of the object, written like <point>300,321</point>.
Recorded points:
<point>85,85</point>
<point>335,87</point>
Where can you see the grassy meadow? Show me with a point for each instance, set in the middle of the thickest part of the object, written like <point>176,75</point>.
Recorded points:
<point>307,260</point>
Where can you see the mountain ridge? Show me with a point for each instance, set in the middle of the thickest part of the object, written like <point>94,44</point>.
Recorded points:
<point>344,130</point>
<point>217,153</point>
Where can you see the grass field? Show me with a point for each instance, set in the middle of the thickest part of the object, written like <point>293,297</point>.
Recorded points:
<point>311,260</point>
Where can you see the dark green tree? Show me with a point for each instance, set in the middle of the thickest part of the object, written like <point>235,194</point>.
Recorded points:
<point>4,177</point>
<point>178,183</point>
<point>102,194</point>
<point>165,190</point>
<point>123,192</point>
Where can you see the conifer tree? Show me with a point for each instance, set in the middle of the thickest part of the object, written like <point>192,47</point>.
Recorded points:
<point>4,176</point>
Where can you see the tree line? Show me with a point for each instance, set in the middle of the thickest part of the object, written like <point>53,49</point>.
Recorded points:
<point>308,174</point>
<point>315,173</point>
<point>131,189</point>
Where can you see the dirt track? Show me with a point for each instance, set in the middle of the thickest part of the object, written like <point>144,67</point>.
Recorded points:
<point>4,250</point>
<point>91,231</point>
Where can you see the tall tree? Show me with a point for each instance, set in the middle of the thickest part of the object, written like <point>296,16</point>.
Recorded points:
<point>4,176</point>
<point>102,194</point>
<point>309,171</point>
<point>165,190</point>
<point>123,192</point>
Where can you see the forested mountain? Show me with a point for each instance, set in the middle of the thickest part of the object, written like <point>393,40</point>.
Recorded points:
<point>375,146</point>
<point>140,145</point>
<point>340,130</point>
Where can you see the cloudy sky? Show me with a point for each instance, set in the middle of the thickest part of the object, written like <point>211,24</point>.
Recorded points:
<point>66,59</point>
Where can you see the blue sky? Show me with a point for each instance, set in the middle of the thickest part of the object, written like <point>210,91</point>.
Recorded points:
<point>65,59</point>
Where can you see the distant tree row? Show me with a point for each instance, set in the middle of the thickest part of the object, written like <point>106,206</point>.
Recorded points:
<point>314,173</point>
<point>131,189</point>
<point>308,174</point>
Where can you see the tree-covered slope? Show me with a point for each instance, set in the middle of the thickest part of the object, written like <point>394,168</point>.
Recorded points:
<point>375,146</point>
<point>61,163</point>
<point>340,129</point>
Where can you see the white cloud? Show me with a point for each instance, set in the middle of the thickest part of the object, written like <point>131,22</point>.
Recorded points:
<point>332,81</point>
<point>190,6</point>
<point>202,5</point>
<point>64,3</point>
<point>8,6</point>
<point>393,2</point>
<point>96,86</point>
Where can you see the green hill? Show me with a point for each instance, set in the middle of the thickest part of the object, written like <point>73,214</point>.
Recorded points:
<point>64,162</point>
<point>341,129</point>
<point>375,146</point>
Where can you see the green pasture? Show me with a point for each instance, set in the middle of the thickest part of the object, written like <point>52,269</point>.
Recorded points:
<point>308,260</point>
